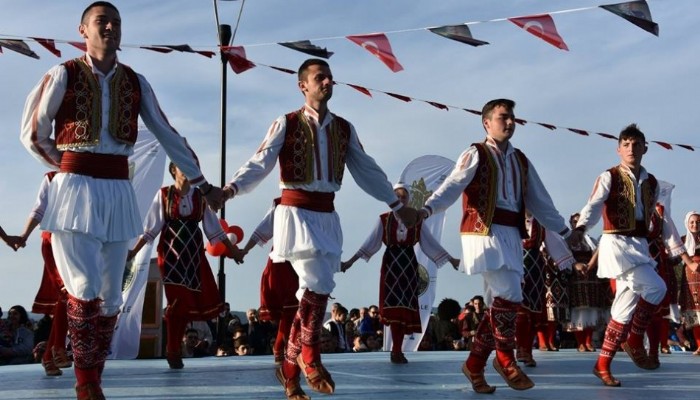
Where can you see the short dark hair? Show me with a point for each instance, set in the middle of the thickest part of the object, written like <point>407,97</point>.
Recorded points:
<point>301,74</point>
<point>491,105</point>
<point>631,131</point>
<point>97,4</point>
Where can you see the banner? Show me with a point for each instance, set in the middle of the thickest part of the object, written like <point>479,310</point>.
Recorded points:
<point>146,167</point>
<point>423,176</point>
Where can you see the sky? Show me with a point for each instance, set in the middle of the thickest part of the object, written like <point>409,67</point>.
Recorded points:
<point>614,74</point>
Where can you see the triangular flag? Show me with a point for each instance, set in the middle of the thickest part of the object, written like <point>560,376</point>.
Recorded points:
<point>607,135</point>
<point>237,59</point>
<point>49,45</point>
<point>19,46</point>
<point>438,105</point>
<point>636,12</point>
<point>579,131</point>
<point>378,44</point>
<point>543,27</point>
<point>79,45</point>
<point>665,145</point>
<point>685,146</point>
<point>307,47</point>
<point>360,89</point>
<point>158,49</point>
<point>398,96</point>
<point>460,33</point>
<point>520,121</point>
<point>548,126</point>
<point>475,112</point>
<point>285,70</point>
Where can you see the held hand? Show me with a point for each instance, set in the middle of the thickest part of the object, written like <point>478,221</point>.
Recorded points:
<point>130,255</point>
<point>16,242</point>
<point>237,254</point>
<point>455,263</point>
<point>408,215</point>
<point>345,265</point>
<point>693,266</point>
<point>575,239</point>
<point>228,193</point>
<point>215,198</point>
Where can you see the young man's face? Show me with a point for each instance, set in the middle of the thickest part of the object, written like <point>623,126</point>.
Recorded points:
<point>631,151</point>
<point>102,29</point>
<point>500,125</point>
<point>317,85</point>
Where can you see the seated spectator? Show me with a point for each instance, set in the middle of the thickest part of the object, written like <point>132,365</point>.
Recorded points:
<point>192,346</point>
<point>336,325</point>
<point>359,345</point>
<point>328,342</point>
<point>241,346</point>
<point>18,340</point>
<point>204,334</point>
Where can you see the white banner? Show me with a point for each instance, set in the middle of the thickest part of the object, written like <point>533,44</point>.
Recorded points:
<point>423,176</point>
<point>146,167</point>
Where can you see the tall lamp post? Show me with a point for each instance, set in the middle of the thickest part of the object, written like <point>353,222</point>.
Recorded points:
<point>224,40</point>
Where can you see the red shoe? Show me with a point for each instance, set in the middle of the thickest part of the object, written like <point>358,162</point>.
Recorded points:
<point>292,388</point>
<point>607,378</point>
<point>89,391</point>
<point>317,376</point>
<point>513,375</point>
<point>398,358</point>
<point>51,369</point>
<point>477,380</point>
<point>638,355</point>
<point>175,360</point>
<point>60,357</point>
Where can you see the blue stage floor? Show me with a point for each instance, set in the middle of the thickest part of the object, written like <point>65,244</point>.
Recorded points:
<point>563,375</point>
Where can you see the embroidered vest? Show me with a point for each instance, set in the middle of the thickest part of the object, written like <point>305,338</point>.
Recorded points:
<point>391,225</point>
<point>79,118</point>
<point>618,209</point>
<point>171,205</point>
<point>479,197</point>
<point>298,153</point>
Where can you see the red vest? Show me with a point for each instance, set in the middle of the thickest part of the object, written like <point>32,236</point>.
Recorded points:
<point>79,119</point>
<point>297,156</point>
<point>391,225</point>
<point>618,209</point>
<point>479,197</point>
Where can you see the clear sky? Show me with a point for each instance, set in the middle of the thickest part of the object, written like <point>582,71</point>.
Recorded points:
<point>614,74</point>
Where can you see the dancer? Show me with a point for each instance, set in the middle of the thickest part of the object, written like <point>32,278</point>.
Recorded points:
<point>398,281</point>
<point>313,146</point>
<point>624,191</point>
<point>278,286</point>
<point>689,300</point>
<point>588,295</point>
<point>92,104</point>
<point>542,250</point>
<point>51,297</point>
<point>498,184</point>
<point>189,284</point>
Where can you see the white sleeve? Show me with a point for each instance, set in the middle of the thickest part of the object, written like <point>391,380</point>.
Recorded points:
<point>212,226</point>
<point>373,242</point>
<point>593,210</point>
<point>263,161</point>
<point>367,174</point>
<point>265,229</point>
<point>40,109</point>
<point>540,204</point>
<point>154,221</point>
<point>39,209</point>
<point>558,250</point>
<point>432,248</point>
<point>456,182</point>
<point>175,146</point>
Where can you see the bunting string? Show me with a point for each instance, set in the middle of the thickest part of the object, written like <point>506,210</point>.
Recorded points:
<point>540,25</point>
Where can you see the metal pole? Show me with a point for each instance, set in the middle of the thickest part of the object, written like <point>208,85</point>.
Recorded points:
<point>224,39</point>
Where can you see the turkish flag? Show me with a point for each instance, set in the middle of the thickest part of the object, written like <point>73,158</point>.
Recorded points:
<point>378,44</point>
<point>237,59</point>
<point>543,27</point>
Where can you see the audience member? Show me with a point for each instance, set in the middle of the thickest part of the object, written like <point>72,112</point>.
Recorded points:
<point>193,346</point>
<point>19,342</point>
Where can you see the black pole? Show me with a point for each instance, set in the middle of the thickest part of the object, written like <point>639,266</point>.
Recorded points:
<point>224,39</point>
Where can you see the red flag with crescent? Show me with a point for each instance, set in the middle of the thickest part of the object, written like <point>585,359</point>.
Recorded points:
<point>378,44</point>
<point>543,27</point>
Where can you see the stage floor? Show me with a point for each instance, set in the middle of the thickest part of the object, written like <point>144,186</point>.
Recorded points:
<point>563,375</point>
